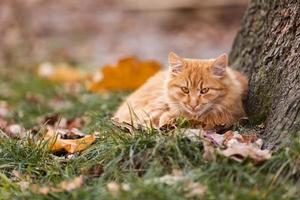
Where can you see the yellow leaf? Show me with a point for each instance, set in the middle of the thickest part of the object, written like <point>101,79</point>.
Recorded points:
<point>129,73</point>
<point>56,143</point>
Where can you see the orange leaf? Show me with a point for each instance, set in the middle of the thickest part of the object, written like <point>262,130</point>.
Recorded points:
<point>129,73</point>
<point>56,143</point>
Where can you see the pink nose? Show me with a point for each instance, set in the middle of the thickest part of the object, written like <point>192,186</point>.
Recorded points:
<point>192,106</point>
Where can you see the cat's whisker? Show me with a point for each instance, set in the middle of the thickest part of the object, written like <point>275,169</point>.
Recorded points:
<point>205,109</point>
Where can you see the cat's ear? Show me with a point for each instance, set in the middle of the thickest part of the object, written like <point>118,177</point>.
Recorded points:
<point>218,68</point>
<point>175,63</point>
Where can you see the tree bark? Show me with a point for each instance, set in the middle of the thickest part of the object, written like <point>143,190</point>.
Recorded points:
<point>267,49</point>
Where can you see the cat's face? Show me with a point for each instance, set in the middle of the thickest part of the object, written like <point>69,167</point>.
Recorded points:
<point>195,86</point>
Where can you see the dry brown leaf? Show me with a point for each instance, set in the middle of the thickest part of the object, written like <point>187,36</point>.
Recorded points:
<point>17,174</point>
<point>61,139</point>
<point>55,120</point>
<point>209,151</point>
<point>23,180</point>
<point>71,185</point>
<point>192,188</point>
<point>3,123</point>
<point>192,134</point>
<point>4,109</point>
<point>195,189</point>
<point>247,151</point>
<point>24,185</point>
<point>214,138</point>
<point>16,131</point>
<point>129,73</point>
<point>68,185</point>
<point>114,188</point>
<point>61,72</point>
<point>227,136</point>
<point>250,138</point>
<point>168,179</point>
<point>237,146</point>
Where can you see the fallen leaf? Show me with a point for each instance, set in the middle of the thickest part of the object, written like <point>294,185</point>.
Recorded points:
<point>76,122</point>
<point>67,185</point>
<point>4,109</point>
<point>247,151</point>
<point>249,138</point>
<point>15,131</point>
<point>214,138</point>
<point>168,179</point>
<point>55,120</point>
<point>129,73</point>
<point>195,189</point>
<point>23,185</point>
<point>114,188</point>
<point>192,134</point>
<point>17,174</point>
<point>72,184</point>
<point>190,187</point>
<point>227,136</point>
<point>3,124</point>
<point>238,146</point>
<point>69,140</point>
<point>61,72</point>
<point>209,151</point>
<point>49,119</point>
<point>22,180</point>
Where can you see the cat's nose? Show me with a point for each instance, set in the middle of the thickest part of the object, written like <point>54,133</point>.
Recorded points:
<point>193,104</point>
<point>192,107</point>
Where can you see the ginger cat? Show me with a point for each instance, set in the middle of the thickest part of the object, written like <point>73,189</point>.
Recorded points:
<point>207,92</point>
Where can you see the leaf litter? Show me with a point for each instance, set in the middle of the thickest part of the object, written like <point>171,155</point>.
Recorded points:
<point>191,188</point>
<point>238,146</point>
<point>231,144</point>
<point>129,73</point>
<point>66,185</point>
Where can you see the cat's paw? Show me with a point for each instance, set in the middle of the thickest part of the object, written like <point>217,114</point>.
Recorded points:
<point>166,120</point>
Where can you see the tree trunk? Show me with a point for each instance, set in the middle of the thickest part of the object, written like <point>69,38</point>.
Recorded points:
<point>267,49</point>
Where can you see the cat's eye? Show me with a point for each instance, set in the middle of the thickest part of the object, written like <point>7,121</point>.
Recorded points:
<point>204,90</point>
<point>185,90</point>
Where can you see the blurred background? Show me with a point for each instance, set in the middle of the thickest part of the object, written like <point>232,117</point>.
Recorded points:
<point>97,32</point>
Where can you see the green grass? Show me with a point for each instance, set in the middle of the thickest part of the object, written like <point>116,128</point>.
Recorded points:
<point>134,159</point>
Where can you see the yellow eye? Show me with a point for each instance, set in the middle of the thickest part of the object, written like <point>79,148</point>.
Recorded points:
<point>204,90</point>
<point>185,90</point>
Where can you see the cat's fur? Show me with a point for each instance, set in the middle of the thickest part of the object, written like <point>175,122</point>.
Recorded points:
<point>207,92</point>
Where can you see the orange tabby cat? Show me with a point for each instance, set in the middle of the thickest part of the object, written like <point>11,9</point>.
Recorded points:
<point>207,92</point>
